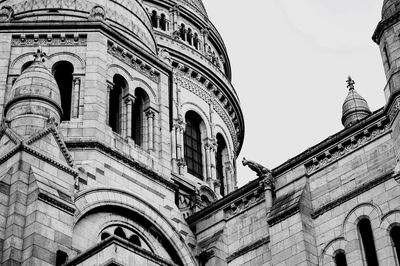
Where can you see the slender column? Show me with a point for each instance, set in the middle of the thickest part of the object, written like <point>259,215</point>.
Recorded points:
<point>75,97</point>
<point>110,86</point>
<point>173,148</point>
<point>228,175</point>
<point>179,142</point>
<point>174,15</point>
<point>205,33</point>
<point>158,21</point>
<point>150,125</point>
<point>129,100</point>
<point>213,150</point>
<point>208,160</point>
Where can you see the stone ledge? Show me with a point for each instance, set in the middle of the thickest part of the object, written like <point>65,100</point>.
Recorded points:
<point>248,248</point>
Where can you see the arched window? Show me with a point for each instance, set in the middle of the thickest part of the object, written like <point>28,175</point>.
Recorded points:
<point>219,161</point>
<point>192,141</point>
<point>182,32</point>
<point>61,257</point>
<point>119,232</point>
<point>26,65</point>
<point>154,19</point>
<point>163,23</point>
<point>340,258</point>
<point>115,107</point>
<point>189,36</point>
<point>395,235</point>
<point>62,72</point>
<point>138,125</point>
<point>196,41</point>
<point>134,239</point>
<point>104,235</point>
<point>367,239</point>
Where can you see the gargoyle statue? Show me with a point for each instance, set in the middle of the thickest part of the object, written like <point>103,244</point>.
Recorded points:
<point>256,167</point>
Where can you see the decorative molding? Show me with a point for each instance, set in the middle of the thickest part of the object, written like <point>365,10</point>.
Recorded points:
<point>192,85</point>
<point>248,248</point>
<point>363,188</point>
<point>121,157</point>
<point>49,40</point>
<point>346,146</point>
<point>383,25</point>
<point>134,62</point>
<point>56,203</point>
<point>394,109</point>
<point>242,204</point>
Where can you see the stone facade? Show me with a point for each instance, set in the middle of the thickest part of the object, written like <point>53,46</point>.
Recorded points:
<point>120,131</point>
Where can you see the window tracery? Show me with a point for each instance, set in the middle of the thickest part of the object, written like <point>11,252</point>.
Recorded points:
<point>126,233</point>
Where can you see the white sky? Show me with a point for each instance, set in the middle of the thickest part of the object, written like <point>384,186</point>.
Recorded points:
<point>290,60</point>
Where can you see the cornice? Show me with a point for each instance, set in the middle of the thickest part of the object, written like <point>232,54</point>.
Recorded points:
<point>56,203</point>
<point>383,25</point>
<point>284,215</point>
<point>92,144</point>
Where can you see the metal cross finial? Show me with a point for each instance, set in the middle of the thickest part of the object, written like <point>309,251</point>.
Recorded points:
<point>350,83</point>
<point>39,55</point>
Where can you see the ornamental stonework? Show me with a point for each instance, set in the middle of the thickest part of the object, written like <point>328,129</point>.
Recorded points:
<point>50,40</point>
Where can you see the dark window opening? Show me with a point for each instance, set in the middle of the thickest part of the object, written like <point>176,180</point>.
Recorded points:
<point>120,232</point>
<point>395,235</point>
<point>137,117</point>
<point>367,238</point>
<point>189,36</point>
<point>61,257</point>
<point>340,258</point>
<point>62,72</point>
<point>115,104</point>
<point>182,32</point>
<point>387,56</point>
<point>104,235</point>
<point>163,23</point>
<point>26,65</point>
<point>192,147</point>
<point>196,41</point>
<point>134,239</point>
<point>154,19</point>
<point>219,163</point>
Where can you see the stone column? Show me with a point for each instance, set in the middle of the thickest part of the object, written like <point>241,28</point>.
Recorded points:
<point>213,151</point>
<point>173,148</point>
<point>158,21</point>
<point>207,148</point>
<point>75,97</point>
<point>228,178</point>
<point>181,162</point>
<point>205,33</point>
<point>129,101</point>
<point>150,126</point>
<point>174,15</point>
<point>110,86</point>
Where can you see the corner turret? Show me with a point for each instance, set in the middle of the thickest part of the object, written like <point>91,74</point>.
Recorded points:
<point>34,99</point>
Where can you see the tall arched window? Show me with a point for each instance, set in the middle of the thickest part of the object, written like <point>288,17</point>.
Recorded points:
<point>182,32</point>
<point>219,161</point>
<point>395,235</point>
<point>189,36</point>
<point>62,72</point>
<point>192,141</point>
<point>154,19</point>
<point>138,125</point>
<point>163,23</point>
<point>367,239</point>
<point>115,106</point>
<point>340,258</point>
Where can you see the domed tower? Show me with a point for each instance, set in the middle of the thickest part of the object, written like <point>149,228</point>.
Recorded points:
<point>148,131</point>
<point>355,107</point>
<point>34,99</point>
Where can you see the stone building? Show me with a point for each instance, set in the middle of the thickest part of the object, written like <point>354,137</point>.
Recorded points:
<point>120,131</point>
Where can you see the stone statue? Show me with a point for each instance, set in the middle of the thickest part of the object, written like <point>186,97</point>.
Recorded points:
<point>256,167</point>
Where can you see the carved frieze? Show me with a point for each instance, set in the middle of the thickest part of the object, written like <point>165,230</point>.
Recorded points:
<point>346,146</point>
<point>132,61</point>
<point>49,40</point>
<point>244,203</point>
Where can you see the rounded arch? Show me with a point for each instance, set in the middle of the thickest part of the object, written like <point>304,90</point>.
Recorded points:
<point>390,219</point>
<point>115,69</point>
<point>189,106</point>
<point>90,199</point>
<point>363,210</point>
<point>139,83</point>
<point>220,130</point>
<point>328,253</point>
<point>18,63</point>
<point>77,62</point>
<point>208,192</point>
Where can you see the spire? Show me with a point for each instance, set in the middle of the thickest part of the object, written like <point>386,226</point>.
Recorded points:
<point>355,107</point>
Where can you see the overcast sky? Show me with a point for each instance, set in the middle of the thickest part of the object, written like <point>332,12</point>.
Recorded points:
<point>290,60</point>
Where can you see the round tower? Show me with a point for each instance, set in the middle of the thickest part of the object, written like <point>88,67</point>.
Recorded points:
<point>34,99</point>
<point>386,36</point>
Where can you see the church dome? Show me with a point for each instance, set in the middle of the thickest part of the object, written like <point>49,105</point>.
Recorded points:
<point>35,94</point>
<point>355,107</point>
<point>390,7</point>
<point>197,4</point>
